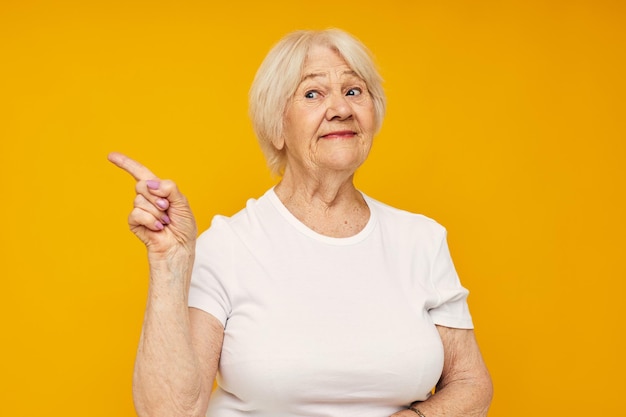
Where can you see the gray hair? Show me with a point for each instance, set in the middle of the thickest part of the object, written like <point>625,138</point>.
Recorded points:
<point>280,74</point>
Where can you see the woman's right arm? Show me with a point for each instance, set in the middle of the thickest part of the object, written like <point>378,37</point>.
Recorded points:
<point>179,347</point>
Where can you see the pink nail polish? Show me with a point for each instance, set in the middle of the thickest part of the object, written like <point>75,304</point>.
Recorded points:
<point>162,203</point>
<point>153,184</point>
<point>165,219</point>
<point>158,225</point>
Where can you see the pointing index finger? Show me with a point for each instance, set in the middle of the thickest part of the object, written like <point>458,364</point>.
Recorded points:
<point>134,168</point>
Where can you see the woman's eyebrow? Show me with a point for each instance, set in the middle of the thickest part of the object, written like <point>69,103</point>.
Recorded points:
<point>313,75</point>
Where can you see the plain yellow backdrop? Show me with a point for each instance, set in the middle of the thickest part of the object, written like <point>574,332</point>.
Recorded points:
<point>506,123</point>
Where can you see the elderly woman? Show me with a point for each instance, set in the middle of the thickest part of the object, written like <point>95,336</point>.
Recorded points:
<point>314,300</point>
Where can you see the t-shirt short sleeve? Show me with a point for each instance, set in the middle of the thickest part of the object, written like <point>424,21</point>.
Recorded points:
<point>211,271</point>
<point>450,307</point>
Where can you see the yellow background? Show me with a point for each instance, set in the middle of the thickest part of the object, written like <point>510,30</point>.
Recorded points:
<point>506,123</point>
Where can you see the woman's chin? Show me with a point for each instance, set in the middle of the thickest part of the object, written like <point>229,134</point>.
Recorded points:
<point>343,164</point>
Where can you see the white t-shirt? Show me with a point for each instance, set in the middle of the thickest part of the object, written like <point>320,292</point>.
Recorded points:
<point>320,326</point>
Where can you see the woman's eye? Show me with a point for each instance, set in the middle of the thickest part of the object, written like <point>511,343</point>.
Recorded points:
<point>354,92</point>
<point>311,94</point>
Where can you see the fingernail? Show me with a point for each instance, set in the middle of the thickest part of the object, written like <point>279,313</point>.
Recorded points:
<point>162,203</point>
<point>165,219</point>
<point>158,225</point>
<point>153,184</point>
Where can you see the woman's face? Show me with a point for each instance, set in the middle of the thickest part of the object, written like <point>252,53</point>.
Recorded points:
<point>329,123</point>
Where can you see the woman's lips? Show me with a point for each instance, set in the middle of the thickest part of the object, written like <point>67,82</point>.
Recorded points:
<point>340,134</point>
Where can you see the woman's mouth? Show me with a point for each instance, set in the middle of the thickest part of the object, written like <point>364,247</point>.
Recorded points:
<point>340,134</point>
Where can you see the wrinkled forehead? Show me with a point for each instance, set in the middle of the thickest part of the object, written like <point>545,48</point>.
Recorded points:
<point>323,61</point>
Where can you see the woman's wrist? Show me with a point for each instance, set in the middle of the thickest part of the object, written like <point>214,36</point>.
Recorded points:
<point>413,407</point>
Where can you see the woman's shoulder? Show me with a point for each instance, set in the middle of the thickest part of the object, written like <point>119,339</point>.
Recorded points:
<point>391,216</point>
<point>242,220</point>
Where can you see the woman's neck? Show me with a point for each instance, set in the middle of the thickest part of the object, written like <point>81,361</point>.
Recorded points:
<point>331,206</point>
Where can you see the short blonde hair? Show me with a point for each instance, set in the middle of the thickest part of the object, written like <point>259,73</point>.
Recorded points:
<point>280,74</point>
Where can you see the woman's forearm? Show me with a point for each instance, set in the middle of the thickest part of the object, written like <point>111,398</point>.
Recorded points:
<point>459,399</point>
<point>167,379</point>
<point>465,388</point>
<point>466,398</point>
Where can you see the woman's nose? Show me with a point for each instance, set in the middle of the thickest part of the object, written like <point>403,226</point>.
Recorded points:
<point>338,107</point>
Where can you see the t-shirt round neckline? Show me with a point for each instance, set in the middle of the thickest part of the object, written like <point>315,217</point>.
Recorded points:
<point>304,229</point>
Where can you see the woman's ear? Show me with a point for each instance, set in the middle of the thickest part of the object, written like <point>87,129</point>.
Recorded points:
<point>279,143</point>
